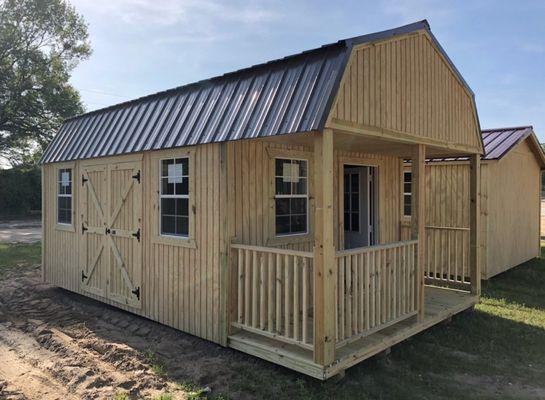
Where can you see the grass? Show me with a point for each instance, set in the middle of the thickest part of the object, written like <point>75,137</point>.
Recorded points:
<point>495,352</point>
<point>19,255</point>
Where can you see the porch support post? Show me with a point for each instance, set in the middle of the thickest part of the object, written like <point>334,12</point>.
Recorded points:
<point>474,211</point>
<point>324,251</point>
<point>418,220</point>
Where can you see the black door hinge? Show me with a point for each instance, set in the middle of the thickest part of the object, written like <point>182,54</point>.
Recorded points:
<point>137,176</point>
<point>83,276</point>
<point>137,234</point>
<point>83,180</point>
<point>136,292</point>
<point>107,231</point>
<point>83,228</point>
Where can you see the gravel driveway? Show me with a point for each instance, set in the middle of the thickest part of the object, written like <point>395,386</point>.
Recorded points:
<point>21,231</point>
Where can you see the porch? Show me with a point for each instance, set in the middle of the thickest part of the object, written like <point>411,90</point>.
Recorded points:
<point>321,302</point>
<point>376,304</point>
<point>440,304</point>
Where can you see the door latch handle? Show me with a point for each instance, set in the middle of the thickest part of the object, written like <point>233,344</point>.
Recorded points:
<point>137,234</point>
<point>83,276</point>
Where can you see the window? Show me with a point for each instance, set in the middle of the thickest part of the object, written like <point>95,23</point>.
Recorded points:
<point>291,196</point>
<point>407,193</point>
<point>174,197</point>
<point>64,196</point>
<point>352,201</point>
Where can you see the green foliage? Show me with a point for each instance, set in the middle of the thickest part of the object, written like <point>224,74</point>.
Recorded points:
<point>20,190</point>
<point>41,41</point>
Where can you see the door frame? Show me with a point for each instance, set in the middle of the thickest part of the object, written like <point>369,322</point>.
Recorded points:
<point>357,162</point>
<point>106,163</point>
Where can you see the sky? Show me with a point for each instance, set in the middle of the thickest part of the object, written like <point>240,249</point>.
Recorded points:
<point>144,46</point>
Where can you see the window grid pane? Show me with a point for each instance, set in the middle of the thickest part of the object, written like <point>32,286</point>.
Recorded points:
<point>174,197</point>
<point>64,196</point>
<point>291,193</point>
<point>407,193</point>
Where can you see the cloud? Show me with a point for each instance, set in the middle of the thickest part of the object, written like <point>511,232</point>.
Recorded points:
<point>159,13</point>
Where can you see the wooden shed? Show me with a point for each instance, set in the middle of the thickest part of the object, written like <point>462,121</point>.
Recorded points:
<point>510,204</point>
<point>260,209</point>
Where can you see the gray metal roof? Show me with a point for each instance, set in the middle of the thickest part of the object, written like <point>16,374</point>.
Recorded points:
<point>289,95</point>
<point>498,142</point>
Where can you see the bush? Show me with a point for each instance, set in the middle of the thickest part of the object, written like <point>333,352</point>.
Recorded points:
<point>20,191</point>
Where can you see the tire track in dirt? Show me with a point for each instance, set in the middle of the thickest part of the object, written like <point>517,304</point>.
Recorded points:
<point>51,354</point>
<point>24,379</point>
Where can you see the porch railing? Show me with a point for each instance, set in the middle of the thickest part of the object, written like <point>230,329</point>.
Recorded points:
<point>376,288</point>
<point>447,256</point>
<point>275,293</point>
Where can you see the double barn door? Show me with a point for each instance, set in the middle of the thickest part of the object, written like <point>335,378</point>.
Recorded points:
<point>111,215</point>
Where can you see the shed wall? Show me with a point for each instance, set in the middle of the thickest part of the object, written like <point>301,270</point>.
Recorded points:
<point>253,192</point>
<point>405,86</point>
<point>513,210</point>
<point>510,210</point>
<point>183,286</point>
<point>180,285</point>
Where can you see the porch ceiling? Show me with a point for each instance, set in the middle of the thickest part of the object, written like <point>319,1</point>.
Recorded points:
<point>372,144</point>
<point>366,144</point>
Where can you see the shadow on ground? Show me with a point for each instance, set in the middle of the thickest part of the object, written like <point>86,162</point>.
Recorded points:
<point>497,351</point>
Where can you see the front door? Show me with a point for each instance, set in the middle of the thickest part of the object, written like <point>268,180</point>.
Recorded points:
<point>359,206</point>
<point>111,207</point>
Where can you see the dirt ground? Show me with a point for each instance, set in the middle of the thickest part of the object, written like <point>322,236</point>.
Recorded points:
<point>58,345</point>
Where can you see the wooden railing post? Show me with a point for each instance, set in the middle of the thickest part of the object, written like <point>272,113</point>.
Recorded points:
<point>324,251</point>
<point>418,222</point>
<point>474,211</point>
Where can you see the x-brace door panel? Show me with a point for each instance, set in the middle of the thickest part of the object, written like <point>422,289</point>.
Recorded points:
<point>124,233</point>
<point>93,206</point>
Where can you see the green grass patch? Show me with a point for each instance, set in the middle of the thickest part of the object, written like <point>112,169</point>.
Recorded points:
<point>495,352</point>
<point>19,255</point>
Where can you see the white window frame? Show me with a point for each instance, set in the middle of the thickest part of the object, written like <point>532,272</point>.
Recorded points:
<point>71,196</point>
<point>293,196</point>
<point>175,196</point>
<point>410,194</point>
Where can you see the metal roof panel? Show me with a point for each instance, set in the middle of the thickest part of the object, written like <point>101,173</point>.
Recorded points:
<point>288,95</point>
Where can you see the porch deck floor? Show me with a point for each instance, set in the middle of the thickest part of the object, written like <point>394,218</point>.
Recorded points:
<point>440,304</point>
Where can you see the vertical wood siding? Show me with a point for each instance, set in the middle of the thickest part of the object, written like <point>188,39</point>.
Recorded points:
<point>180,285</point>
<point>253,206</point>
<point>509,225</point>
<point>513,210</point>
<point>389,195</point>
<point>405,85</point>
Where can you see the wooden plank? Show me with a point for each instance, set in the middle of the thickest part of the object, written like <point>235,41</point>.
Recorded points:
<point>324,277</point>
<point>296,296</point>
<point>278,284</point>
<point>255,286</point>
<point>271,288</point>
<point>305,301</point>
<point>474,218</point>
<point>418,220</point>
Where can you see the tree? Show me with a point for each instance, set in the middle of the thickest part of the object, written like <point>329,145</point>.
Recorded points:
<point>41,41</point>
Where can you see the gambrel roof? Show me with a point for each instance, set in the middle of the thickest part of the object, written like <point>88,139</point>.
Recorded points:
<point>289,95</point>
<point>499,142</point>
